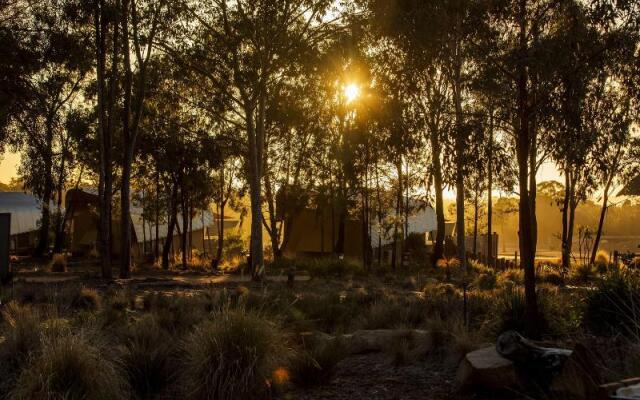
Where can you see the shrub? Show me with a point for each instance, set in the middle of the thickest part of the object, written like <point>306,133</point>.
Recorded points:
<point>147,357</point>
<point>69,367</point>
<point>584,273</point>
<point>384,315</point>
<point>552,277</point>
<point>486,281</point>
<point>612,307</point>
<point>315,365</point>
<point>511,275</point>
<point>59,263</point>
<point>21,327</point>
<point>232,357</point>
<point>86,299</point>
<point>511,312</point>
<point>602,261</point>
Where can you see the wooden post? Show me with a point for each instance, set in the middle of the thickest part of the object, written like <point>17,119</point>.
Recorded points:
<point>5,237</point>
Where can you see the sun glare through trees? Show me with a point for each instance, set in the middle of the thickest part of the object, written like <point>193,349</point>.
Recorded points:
<point>319,199</point>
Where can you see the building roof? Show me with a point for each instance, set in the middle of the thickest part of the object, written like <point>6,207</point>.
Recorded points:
<point>25,210</point>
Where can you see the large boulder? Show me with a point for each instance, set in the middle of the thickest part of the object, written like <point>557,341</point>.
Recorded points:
<point>486,369</point>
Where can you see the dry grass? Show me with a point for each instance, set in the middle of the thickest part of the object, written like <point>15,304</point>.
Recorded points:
<point>70,367</point>
<point>233,356</point>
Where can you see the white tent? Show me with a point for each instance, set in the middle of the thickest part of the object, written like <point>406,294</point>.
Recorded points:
<point>163,227</point>
<point>25,210</point>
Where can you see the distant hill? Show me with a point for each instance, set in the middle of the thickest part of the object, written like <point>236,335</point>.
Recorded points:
<point>4,187</point>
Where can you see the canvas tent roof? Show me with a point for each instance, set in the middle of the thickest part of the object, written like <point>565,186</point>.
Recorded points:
<point>25,210</point>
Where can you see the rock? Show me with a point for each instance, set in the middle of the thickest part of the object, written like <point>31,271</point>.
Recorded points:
<point>485,368</point>
<point>536,365</point>
<point>629,392</point>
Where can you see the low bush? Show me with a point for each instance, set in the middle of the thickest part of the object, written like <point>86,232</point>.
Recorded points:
<point>147,357</point>
<point>21,331</point>
<point>70,367</point>
<point>232,357</point>
<point>584,273</point>
<point>513,275</point>
<point>86,299</point>
<point>486,281</point>
<point>614,306</point>
<point>511,312</point>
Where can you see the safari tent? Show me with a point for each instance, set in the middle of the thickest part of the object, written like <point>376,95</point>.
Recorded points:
<point>82,207</point>
<point>26,212</point>
<point>312,232</point>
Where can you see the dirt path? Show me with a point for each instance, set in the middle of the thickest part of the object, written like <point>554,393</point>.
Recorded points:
<point>372,377</point>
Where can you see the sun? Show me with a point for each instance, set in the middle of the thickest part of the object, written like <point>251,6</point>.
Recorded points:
<point>351,92</point>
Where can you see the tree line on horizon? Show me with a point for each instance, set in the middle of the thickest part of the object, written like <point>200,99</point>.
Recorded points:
<point>194,102</point>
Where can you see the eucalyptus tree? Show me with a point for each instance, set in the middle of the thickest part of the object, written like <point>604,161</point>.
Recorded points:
<point>243,49</point>
<point>141,21</point>
<point>38,122</point>
<point>586,82</point>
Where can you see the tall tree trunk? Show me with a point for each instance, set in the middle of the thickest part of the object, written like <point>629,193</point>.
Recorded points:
<point>157,210</point>
<point>489,192</point>
<point>185,226</point>
<point>475,223</point>
<point>565,220</point>
<point>125,190</point>
<point>438,248</point>
<point>173,218</point>
<point>523,147</point>
<point>460,143</point>
<point>255,130</point>
<point>603,213</point>
<point>45,220</point>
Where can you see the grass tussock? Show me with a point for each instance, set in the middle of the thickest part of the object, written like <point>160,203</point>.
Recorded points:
<point>233,356</point>
<point>70,367</point>
<point>614,306</point>
<point>21,330</point>
<point>147,357</point>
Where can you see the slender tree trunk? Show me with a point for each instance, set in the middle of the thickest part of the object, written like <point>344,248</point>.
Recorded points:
<point>438,248</point>
<point>523,147</point>
<point>603,213</point>
<point>125,191</point>
<point>185,226</point>
<point>565,220</point>
<point>489,193</point>
<point>475,223</point>
<point>256,138</point>
<point>157,210</point>
<point>173,217</point>
<point>45,220</point>
<point>460,142</point>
